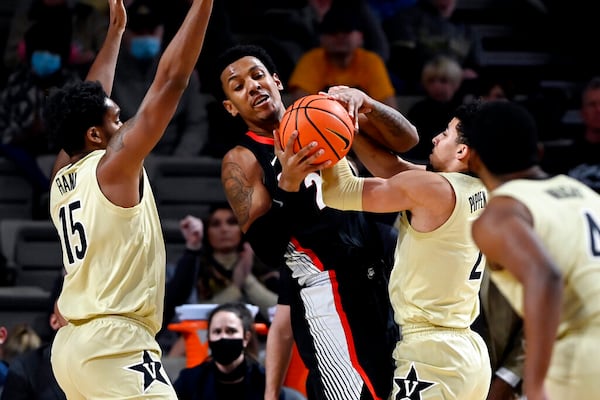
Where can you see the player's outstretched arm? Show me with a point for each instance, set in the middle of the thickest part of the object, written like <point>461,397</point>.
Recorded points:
<point>140,134</point>
<point>104,65</point>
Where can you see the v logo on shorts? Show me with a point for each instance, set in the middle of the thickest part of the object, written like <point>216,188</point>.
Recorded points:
<point>151,369</point>
<point>410,387</point>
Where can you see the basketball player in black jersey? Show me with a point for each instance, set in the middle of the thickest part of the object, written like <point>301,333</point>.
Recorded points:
<point>333,299</point>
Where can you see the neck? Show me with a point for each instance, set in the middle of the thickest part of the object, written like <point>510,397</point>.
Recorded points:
<point>534,172</point>
<point>227,259</point>
<point>340,60</point>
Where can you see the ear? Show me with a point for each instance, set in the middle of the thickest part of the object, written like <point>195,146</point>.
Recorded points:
<point>247,337</point>
<point>463,152</point>
<point>278,81</point>
<point>230,108</point>
<point>94,135</point>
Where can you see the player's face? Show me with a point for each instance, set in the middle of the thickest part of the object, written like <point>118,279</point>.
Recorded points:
<point>112,119</point>
<point>445,147</point>
<point>253,93</point>
<point>225,324</point>
<point>224,233</point>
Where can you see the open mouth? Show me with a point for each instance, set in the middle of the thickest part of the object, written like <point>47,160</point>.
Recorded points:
<point>261,100</point>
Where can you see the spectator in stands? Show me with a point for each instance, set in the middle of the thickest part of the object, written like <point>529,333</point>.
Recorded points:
<point>3,363</point>
<point>424,30</point>
<point>441,79</point>
<point>86,18</point>
<point>341,60</point>
<point>21,338</point>
<point>218,267</point>
<point>187,133</point>
<point>581,159</point>
<point>23,134</point>
<point>30,374</point>
<point>375,39</point>
<point>230,372</point>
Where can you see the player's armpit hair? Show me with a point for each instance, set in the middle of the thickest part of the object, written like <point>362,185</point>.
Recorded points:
<point>341,189</point>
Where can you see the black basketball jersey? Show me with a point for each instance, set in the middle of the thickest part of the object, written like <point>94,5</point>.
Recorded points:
<point>334,278</point>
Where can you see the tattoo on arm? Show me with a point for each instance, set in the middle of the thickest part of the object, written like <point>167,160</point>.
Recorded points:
<point>390,120</point>
<point>238,190</point>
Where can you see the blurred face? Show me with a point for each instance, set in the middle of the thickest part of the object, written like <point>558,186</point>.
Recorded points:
<point>440,88</point>
<point>224,233</point>
<point>341,44</point>
<point>253,93</point>
<point>225,325</point>
<point>445,147</point>
<point>445,7</point>
<point>590,109</point>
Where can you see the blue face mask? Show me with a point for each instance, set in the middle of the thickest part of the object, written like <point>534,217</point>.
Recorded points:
<point>145,47</point>
<point>45,63</point>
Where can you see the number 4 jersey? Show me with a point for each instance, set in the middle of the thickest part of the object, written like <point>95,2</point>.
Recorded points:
<point>566,216</point>
<point>114,257</point>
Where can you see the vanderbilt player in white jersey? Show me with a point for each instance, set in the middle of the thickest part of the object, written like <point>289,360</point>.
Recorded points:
<point>437,271</point>
<point>542,233</point>
<point>103,208</point>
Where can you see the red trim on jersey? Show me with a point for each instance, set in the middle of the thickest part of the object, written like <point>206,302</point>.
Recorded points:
<point>261,139</point>
<point>309,253</point>
<point>348,334</point>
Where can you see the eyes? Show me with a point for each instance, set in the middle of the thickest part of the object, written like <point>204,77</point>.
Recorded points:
<point>226,331</point>
<point>238,84</point>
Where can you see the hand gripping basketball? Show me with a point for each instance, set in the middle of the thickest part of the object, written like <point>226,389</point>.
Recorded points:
<point>318,118</point>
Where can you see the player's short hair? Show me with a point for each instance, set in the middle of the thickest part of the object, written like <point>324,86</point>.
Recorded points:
<point>71,110</point>
<point>465,114</point>
<point>505,136</point>
<point>233,54</point>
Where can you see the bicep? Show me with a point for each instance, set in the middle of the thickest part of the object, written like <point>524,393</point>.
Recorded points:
<point>242,181</point>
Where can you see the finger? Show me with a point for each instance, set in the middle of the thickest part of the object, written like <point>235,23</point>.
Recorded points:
<point>308,150</point>
<point>289,146</point>
<point>276,142</point>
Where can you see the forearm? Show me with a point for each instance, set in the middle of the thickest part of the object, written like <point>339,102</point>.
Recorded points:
<point>258,294</point>
<point>341,189</point>
<point>179,287</point>
<point>270,233</point>
<point>392,129</point>
<point>279,352</point>
<point>104,65</point>
<point>181,55</point>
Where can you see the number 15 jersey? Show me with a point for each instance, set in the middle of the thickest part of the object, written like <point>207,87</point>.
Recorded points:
<point>114,256</point>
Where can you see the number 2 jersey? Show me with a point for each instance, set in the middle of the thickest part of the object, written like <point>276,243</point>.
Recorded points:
<point>335,282</point>
<point>114,257</point>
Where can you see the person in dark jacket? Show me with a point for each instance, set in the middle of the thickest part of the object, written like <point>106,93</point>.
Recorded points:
<point>229,373</point>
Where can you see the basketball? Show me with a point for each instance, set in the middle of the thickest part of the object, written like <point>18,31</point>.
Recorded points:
<point>318,118</point>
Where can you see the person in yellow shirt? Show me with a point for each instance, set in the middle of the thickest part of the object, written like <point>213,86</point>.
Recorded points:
<point>341,60</point>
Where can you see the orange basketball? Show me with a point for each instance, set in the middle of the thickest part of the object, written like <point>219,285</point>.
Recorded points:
<point>317,118</point>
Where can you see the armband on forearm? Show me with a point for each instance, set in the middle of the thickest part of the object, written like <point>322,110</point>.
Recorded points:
<point>341,189</point>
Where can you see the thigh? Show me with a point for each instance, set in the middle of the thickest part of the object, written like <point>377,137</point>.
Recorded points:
<point>444,365</point>
<point>112,358</point>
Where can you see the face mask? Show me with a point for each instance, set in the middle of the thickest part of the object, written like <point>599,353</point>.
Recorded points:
<point>45,63</point>
<point>225,351</point>
<point>145,47</point>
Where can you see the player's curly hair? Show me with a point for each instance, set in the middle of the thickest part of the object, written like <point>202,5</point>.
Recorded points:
<point>71,110</point>
<point>465,113</point>
<point>233,54</point>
